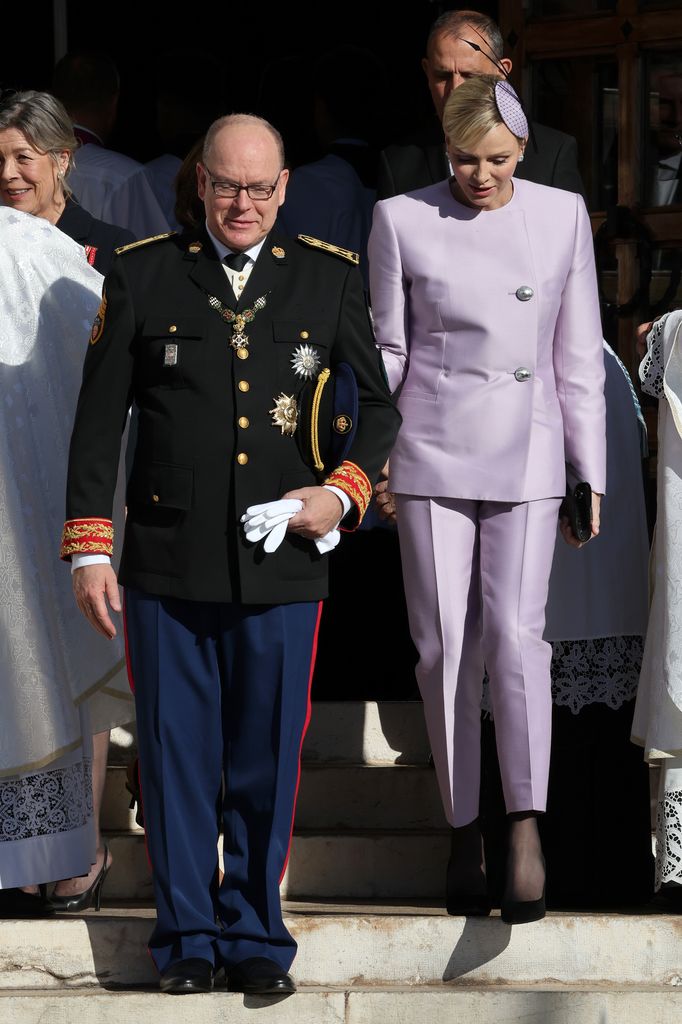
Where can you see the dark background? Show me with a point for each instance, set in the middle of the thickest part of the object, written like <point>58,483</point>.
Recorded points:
<point>259,51</point>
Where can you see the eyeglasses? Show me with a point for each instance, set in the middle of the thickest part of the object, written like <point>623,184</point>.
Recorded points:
<point>230,189</point>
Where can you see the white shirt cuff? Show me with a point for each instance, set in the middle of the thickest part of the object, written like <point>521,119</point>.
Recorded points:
<point>342,496</point>
<point>78,561</point>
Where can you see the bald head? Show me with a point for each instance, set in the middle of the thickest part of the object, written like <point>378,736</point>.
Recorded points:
<point>252,124</point>
<point>241,150</point>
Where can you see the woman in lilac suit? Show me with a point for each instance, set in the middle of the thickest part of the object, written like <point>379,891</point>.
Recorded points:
<point>485,305</point>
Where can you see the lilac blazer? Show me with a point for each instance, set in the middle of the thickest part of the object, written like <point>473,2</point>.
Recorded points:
<point>490,320</point>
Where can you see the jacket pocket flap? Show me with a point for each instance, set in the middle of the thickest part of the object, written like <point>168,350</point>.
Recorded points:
<point>171,327</point>
<point>163,485</point>
<point>301,332</point>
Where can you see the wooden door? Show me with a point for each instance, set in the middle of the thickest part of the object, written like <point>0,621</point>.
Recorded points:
<point>609,72</point>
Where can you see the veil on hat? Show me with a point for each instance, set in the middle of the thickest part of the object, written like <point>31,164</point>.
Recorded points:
<point>509,103</point>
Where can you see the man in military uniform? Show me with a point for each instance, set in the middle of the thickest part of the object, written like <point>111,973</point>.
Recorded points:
<point>223,339</point>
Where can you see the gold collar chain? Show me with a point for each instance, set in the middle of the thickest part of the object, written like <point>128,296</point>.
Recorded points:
<point>237,321</point>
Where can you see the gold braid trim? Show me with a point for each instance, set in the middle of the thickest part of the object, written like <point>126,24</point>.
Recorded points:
<point>350,479</point>
<point>336,250</point>
<point>143,241</point>
<point>87,537</point>
<point>314,419</point>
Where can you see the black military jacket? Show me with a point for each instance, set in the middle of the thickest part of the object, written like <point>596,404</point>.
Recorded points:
<point>207,444</point>
<point>99,239</point>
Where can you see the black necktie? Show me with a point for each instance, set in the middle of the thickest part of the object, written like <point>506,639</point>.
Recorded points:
<point>236,260</point>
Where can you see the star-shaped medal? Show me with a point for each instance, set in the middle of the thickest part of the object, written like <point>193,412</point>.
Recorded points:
<point>305,361</point>
<point>285,414</point>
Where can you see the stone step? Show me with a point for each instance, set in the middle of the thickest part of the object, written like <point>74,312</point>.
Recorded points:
<point>330,797</point>
<point>367,732</point>
<point>360,864</point>
<point>369,945</point>
<point>350,732</point>
<point>497,1005</point>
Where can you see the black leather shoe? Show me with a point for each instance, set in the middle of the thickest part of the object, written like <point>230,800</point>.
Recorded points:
<point>260,976</point>
<point>187,976</point>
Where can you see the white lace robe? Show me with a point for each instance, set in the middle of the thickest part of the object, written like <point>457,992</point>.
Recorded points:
<point>52,660</point>
<point>657,724</point>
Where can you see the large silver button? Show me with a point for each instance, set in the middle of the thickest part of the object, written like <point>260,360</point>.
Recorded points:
<point>524,293</point>
<point>522,373</point>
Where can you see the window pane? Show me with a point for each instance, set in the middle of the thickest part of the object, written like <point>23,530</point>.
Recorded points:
<point>574,7</point>
<point>580,96</point>
<point>661,185</point>
<point>659,5</point>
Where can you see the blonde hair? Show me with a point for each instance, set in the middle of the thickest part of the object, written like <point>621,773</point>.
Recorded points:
<point>44,122</point>
<point>471,112</point>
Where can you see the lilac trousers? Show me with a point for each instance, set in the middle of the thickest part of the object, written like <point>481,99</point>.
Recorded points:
<point>476,576</point>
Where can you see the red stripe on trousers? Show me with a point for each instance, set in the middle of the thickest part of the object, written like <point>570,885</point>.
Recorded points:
<point>305,729</point>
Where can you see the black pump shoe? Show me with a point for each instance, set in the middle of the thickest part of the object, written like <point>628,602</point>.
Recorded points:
<point>83,900</point>
<point>17,903</point>
<point>466,891</point>
<point>523,911</point>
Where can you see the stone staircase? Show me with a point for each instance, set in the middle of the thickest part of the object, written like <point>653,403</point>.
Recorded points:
<point>363,897</point>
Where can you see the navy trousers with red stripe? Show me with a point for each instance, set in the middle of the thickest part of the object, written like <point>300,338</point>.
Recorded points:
<point>221,692</point>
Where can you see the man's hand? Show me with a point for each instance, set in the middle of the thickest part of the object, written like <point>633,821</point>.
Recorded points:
<point>321,512</point>
<point>565,524</point>
<point>93,585</point>
<point>641,333</point>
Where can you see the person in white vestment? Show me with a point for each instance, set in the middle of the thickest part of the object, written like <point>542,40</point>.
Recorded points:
<point>59,680</point>
<point>657,724</point>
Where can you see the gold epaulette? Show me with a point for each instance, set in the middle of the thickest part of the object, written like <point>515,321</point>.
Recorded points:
<point>335,250</point>
<point>143,241</point>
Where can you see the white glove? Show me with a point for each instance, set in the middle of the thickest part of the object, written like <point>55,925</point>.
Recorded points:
<point>269,520</point>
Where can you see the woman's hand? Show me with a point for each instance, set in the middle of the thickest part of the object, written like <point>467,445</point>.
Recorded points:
<point>565,524</point>
<point>640,338</point>
<point>385,499</point>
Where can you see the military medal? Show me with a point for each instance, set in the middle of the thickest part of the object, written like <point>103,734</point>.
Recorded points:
<point>305,361</point>
<point>238,321</point>
<point>285,414</point>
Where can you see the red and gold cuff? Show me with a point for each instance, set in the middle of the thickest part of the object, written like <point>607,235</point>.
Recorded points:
<point>350,479</point>
<point>87,537</point>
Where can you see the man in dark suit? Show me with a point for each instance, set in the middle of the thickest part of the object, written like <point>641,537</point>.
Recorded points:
<point>461,44</point>
<point>225,340</point>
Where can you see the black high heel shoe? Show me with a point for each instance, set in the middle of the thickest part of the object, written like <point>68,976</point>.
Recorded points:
<point>466,891</point>
<point>523,911</point>
<point>17,903</point>
<point>84,900</point>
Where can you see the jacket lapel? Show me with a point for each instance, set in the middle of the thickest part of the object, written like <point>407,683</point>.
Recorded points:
<point>205,269</point>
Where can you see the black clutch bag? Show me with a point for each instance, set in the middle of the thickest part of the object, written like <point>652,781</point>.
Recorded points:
<point>577,507</point>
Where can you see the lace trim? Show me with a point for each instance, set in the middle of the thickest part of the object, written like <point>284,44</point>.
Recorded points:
<point>651,368</point>
<point>600,671</point>
<point>46,803</point>
<point>669,838</point>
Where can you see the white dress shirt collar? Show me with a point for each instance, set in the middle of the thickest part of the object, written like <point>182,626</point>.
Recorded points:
<point>223,250</point>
